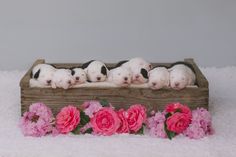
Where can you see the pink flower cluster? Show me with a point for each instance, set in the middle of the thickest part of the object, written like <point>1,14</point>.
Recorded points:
<point>38,121</point>
<point>177,119</point>
<point>156,124</point>
<point>201,124</point>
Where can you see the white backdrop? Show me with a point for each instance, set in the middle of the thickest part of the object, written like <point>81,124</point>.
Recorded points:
<point>110,30</point>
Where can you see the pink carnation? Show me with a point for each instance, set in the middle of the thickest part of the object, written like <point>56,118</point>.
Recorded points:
<point>38,121</point>
<point>105,121</point>
<point>136,116</point>
<point>201,124</point>
<point>124,127</point>
<point>91,107</point>
<point>67,119</point>
<point>156,125</point>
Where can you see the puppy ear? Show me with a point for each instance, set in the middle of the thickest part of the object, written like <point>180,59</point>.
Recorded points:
<point>144,73</point>
<point>85,65</point>
<point>104,70</point>
<point>36,75</point>
<point>72,72</point>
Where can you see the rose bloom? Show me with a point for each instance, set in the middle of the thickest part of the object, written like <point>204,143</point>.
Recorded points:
<point>68,119</point>
<point>124,128</point>
<point>105,121</point>
<point>173,107</point>
<point>136,116</point>
<point>178,122</point>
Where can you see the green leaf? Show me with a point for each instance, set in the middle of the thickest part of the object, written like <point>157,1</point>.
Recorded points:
<point>89,131</point>
<point>178,110</point>
<point>141,130</point>
<point>168,115</point>
<point>77,130</point>
<point>104,103</point>
<point>84,119</point>
<point>170,134</point>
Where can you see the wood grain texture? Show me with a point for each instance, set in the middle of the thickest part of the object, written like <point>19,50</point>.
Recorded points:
<point>119,97</point>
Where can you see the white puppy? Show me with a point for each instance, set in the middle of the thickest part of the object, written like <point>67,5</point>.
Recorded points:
<point>159,78</point>
<point>79,75</point>
<point>181,76</point>
<point>120,76</point>
<point>63,78</point>
<point>139,69</point>
<point>96,71</point>
<point>41,75</point>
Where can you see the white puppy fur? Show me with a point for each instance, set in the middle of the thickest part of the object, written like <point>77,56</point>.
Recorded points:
<point>79,75</point>
<point>181,76</point>
<point>139,69</point>
<point>42,75</point>
<point>159,78</point>
<point>62,78</point>
<point>96,71</point>
<point>120,76</point>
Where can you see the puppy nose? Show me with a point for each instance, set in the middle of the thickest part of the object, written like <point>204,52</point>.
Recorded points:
<point>98,78</point>
<point>126,78</point>
<point>77,78</point>
<point>137,76</point>
<point>49,81</point>
<point>153,83</point>
<point>176,84</point>
<point>69,82</point>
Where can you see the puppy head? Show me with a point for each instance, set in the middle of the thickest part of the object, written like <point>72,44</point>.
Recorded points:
<point>96,71</point>
<point>43,73</point>
<point>121,76</point>
<point>179,78</point>
<point>79,75</point>
<point>158,78</point>
<point>63,79</point>
<point>139,75</point>
<point>139,62</point>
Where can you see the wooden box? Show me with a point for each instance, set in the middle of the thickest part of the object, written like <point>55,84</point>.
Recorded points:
<point>119,97</point>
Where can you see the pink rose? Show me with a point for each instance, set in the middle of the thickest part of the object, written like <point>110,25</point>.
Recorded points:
<point>105,121</point>
<point>174,107</point>
<point>136,116</point>
<point>124,128</point>
<point>68,119</point>
<point>178,122</point>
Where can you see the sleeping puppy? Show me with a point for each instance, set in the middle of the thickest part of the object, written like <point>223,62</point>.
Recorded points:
<point>159,77</point>
<point>63,78</point>
<point>79,75</point>
<point>181,76</point>
<point>41,75</point>
<point>120,76</point>
<point>139,69</point>
<point>96,71</point>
